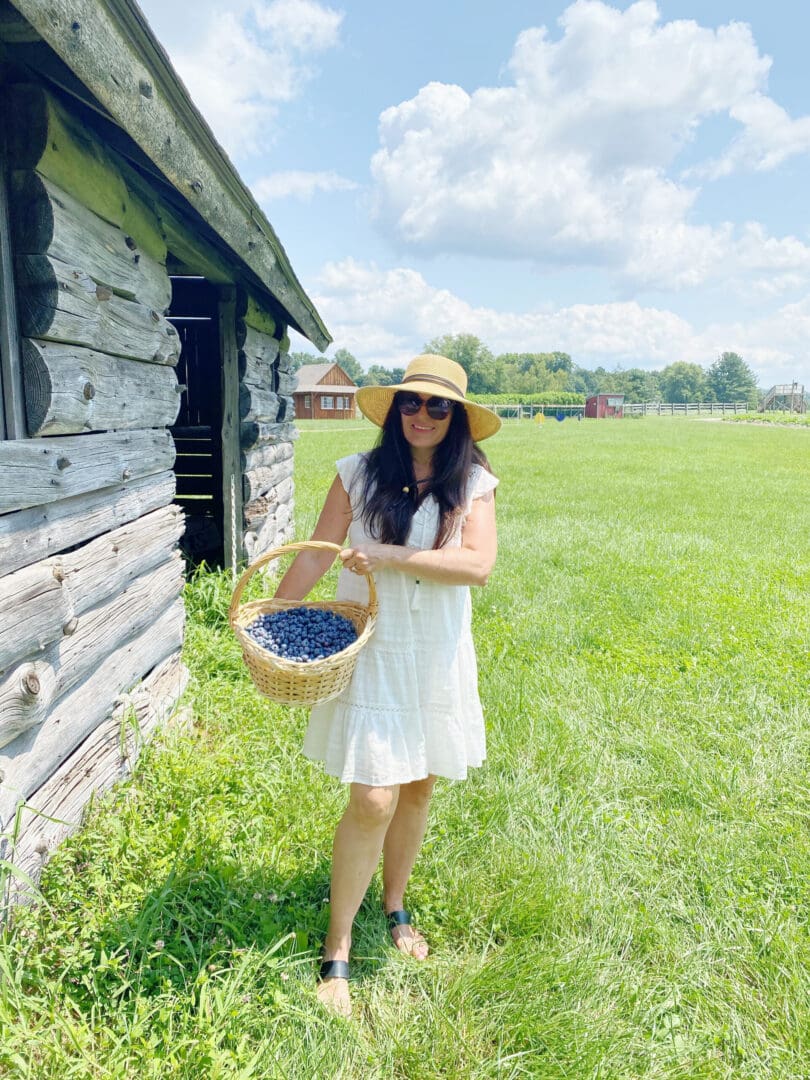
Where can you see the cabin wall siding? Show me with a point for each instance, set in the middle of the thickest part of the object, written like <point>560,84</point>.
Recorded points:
<point>90,571</point>
<point>91,615</point>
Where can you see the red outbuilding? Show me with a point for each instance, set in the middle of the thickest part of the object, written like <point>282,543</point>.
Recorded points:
<point>601,405</point>
<point>324,392</point>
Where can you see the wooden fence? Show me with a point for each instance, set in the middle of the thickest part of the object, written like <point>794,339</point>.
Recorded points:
<point>641,408</point>
<point>674,408</point>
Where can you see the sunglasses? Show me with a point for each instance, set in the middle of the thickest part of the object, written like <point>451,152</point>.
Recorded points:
<point>438,408</point>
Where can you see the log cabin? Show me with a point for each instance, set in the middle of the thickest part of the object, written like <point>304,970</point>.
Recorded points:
<point>147,405</point>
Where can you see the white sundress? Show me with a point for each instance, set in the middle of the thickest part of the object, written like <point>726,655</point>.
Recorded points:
<point>412,707</point>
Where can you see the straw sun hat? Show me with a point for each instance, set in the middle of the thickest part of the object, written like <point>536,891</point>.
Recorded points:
<point>436,376</point>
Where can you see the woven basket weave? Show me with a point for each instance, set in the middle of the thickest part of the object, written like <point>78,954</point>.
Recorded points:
<point>296,682</point>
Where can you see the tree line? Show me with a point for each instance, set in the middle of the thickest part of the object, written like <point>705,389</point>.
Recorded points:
<point>728,378</point>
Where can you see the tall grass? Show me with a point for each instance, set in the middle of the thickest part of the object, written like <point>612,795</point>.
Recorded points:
<point>620,892</point>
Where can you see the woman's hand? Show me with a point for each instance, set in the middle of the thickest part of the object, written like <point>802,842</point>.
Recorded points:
<point>365,558</point>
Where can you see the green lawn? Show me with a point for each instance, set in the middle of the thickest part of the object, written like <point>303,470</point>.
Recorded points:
<point>622,891</point>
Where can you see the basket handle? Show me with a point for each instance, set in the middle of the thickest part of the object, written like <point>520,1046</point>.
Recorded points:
<point>285,549</point>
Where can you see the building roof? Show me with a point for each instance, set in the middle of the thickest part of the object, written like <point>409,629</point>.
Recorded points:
<point>310,376</point>
<point>111,51</point>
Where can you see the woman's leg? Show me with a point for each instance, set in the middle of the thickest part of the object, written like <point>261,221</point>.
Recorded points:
<point>402,842</point>
<point>356,852</point>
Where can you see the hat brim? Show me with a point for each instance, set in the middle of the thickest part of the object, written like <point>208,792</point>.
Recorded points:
<point>374,403</point>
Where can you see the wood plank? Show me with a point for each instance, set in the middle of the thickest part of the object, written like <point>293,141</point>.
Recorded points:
<point>41,603</point>
<point>28,536</point>
<point>106,566</point>
<point>257,356</point>
<point>257,403</point>
<point>59,302</point>
<point>28,761</point>
<point>231,459</point>
<point>69,389</point>
<point>29,691</point>
<point>38,471</point>
<point>106,756</point>
<point>34,609</point>
<point>41,134</point>
<point>12,415</point>
<point>261,481</point>
<point>272,529</point>
<point>262,508</point>
<point>256,314</point>
<point>266,454</point>
<point>286,383</point>
<point>272,493</point>
<point>49,221</point>
<point>255,432</point>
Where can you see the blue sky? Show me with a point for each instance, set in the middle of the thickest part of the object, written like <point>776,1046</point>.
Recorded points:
<point>626,182</point>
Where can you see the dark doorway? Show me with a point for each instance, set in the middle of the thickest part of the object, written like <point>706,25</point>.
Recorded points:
<point>198,430</point>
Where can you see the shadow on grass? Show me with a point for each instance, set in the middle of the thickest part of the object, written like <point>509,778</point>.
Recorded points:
<point>214,923</point>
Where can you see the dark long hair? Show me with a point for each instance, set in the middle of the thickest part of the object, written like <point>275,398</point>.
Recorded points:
<point>388,509</point>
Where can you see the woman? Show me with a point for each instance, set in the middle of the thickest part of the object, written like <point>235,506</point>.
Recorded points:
<point>419,512</point>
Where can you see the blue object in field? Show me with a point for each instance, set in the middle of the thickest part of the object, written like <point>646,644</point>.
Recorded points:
<point>560,415</point>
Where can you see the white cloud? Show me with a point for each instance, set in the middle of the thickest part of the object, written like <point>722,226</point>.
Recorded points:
<point>303,24</point>
<point>248,60</point>
<point>570,163</point>
<point>408,311</point>
<point>299,185</point>
<point>769,137</point>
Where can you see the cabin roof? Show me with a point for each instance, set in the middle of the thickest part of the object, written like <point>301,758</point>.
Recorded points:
<point>112,52</point>
<point>310,376</point>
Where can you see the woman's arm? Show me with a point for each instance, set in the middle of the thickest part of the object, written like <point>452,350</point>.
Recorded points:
<point>470,564</point>
<point>308,567</point>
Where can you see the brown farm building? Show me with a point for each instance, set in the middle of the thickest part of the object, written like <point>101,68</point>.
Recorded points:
<point>324,392</point>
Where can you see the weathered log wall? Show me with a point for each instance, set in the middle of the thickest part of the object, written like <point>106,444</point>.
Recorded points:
<point>267,431</point>
<point>90,570</point>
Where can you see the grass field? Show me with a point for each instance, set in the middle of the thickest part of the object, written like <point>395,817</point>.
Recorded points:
<point>621,892</point>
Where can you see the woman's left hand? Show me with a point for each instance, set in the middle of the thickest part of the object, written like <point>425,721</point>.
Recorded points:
<point>364,559</point>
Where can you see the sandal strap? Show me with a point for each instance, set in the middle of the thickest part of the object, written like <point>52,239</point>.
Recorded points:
<point>398,918</point>
<point>334,969</point>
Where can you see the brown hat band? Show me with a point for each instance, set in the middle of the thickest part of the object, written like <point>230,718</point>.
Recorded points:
<point>446,383</point>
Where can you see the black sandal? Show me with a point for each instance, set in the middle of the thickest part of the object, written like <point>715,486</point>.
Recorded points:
<point>398,918</point>
<point>403,918</point>
<point>334,969</point>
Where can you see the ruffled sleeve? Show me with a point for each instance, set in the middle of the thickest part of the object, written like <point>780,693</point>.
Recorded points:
<point>349,469</point>
<point>481,483</point>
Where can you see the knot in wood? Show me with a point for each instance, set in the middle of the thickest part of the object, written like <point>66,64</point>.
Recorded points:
<point>58,573</point>
<point>89,391</point>
<point>62,463</point>
<point>130,243</point>
<point>41,848</point>
<point>126,474</point>
<point>145,88</point>
<point>103,292</point>
<point>70,627</point>
<point>30,684</point>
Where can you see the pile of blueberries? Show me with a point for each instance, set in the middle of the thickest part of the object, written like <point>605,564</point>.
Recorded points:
<point>303,634</point>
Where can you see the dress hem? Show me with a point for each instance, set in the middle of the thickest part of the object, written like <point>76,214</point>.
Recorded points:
<point>389,783</point>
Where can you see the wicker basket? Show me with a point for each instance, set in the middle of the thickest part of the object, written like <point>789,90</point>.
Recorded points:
<point>295,682</point>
